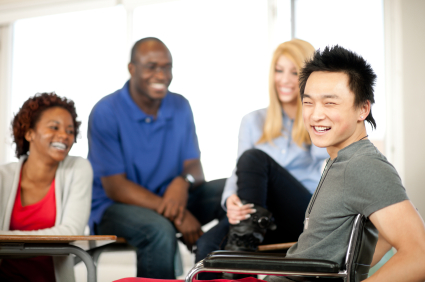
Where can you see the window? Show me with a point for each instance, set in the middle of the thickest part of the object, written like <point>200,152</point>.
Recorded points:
<point>82,59</point>
<point>221,51</point>
<point>354,24</point>
<point>221,60</point>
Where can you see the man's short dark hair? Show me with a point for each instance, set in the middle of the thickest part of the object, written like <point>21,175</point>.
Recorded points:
<point>361,77</point>
<point>136,45</point>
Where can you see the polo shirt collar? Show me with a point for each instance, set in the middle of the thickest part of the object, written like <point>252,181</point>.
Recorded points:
<point>165,110</point>
<point>349,151</point>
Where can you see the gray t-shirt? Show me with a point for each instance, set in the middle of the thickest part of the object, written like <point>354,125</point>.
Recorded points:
<point>358,180</point>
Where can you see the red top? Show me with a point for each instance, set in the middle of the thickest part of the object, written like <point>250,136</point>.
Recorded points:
<point>40,215</point>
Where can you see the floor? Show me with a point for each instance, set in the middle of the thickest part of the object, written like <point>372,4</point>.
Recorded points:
<point>117,265</point>
<point>113,266</point>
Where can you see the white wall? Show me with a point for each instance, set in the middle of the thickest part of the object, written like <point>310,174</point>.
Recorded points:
<point>12,10</point>
<point>404,47</point>
<point>405,59</point>
<point>6,41</point>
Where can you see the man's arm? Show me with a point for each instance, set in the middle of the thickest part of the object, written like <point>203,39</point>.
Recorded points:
<point>107,158</point>
<point>120,189</point>
<point>382,247</point>
<point>194,168</point>
<point>401,226</point>
<point>174,201</point>
<point>173,205</point>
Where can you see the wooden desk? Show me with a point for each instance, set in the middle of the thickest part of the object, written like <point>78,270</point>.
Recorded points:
<point>51,245</point>
<point>274,247</point>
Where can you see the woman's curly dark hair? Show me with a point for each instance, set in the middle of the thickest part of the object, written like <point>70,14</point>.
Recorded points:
<point>30,113</point>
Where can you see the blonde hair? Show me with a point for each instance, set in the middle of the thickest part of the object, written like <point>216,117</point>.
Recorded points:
<point>298,51</point>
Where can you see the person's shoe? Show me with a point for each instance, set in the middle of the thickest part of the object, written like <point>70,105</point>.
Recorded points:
<point>249,233</point>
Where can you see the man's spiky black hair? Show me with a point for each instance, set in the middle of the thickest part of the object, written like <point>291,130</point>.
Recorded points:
<point>361,77</point>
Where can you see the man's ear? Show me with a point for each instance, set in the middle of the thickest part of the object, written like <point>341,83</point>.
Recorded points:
<point>131,68</point>
<point>29,135</point>
<point>364,110</point>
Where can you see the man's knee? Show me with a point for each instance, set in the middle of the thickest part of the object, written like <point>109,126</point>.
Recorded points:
<point>139,226</point>
<point>165,230</point>
<point>154,238</point>
<point>159,234</point>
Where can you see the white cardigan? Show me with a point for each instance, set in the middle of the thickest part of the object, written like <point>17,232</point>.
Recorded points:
<point>73,184</point>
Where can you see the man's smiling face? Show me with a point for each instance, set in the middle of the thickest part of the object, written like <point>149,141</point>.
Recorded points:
<point>151,71</point>
<point>329,113</point>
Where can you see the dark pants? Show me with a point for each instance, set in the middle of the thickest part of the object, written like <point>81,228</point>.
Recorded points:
<point>263,182</point>
<point>153,235</point>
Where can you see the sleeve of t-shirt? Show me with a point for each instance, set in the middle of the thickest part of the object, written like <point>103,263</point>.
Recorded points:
<point>191,146</point>
<point>105,153</point>
<point>371,184</point>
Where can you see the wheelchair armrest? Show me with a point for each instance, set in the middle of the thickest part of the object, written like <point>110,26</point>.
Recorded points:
<point>242,253</point>
<point>265,261</point>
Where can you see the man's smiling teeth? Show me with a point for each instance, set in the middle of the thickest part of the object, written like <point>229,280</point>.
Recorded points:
<point>59,145</point>
<point>158,86</point>
<point>321,128</point>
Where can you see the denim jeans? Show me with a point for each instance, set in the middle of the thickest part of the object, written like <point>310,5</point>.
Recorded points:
<point>153,235</point>
<point>262,181</point>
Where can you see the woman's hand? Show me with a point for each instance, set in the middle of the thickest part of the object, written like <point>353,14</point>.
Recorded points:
<point>236,211</point>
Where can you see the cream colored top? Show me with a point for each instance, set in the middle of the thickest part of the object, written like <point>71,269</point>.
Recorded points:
<point>73,183</point>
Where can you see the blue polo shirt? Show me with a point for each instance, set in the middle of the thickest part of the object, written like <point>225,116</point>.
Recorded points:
<point>151,152</point>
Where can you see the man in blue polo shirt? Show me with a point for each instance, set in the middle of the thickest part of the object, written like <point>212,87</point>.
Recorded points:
<point>148,178</point>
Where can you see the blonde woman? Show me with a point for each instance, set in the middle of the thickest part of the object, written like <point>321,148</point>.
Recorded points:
<point>278,168</point>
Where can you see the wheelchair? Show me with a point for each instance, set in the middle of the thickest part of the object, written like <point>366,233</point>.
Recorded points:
<point>361,247</point>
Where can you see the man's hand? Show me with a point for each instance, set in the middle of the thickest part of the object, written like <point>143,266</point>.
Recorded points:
<point>173,205</point>
<point>236,211</point>
<point>190,229</point>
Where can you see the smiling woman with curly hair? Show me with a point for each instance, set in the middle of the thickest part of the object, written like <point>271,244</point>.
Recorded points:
<point>30,113</point>
<point>47,192</point>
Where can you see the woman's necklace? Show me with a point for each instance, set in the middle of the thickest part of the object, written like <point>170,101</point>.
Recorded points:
<point>363,137</point>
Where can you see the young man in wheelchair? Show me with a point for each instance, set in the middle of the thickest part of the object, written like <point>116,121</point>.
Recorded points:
<point>336,88</point>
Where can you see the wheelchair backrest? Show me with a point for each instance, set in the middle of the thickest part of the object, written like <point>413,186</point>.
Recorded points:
<point>361,248</point>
